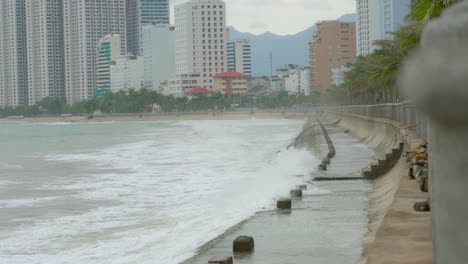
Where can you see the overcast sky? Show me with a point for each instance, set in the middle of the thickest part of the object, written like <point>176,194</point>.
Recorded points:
<point>280,16</point>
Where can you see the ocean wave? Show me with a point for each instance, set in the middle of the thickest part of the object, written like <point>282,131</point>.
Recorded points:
<point>179,187</point>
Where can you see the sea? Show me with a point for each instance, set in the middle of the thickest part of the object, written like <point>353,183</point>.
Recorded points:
<point>138,192</point>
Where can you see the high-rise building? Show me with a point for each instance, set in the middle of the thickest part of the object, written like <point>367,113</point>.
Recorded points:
<point>158,54</point>
<point>376,18</point>
<point>109,51</point>
<point>85,23</point>
<point>140,13</point>
<point>311,63</point>
<point>333,44</point>
<point>44,29</point>
<point>13,56</point>
<point>239,56</point>
<point>200,33</point>
<point>127,73</point>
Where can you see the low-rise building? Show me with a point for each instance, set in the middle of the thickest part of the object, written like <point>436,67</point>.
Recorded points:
<point>231,82</point>
<point>180,83</point>
<point>277,83</point>
<point>263,81</point>
<point>298,81</point>
<point>127,72</point>
<point>305,80</point>
<point>197,92</point>
<point>260,91</point>
<point>296,78</point>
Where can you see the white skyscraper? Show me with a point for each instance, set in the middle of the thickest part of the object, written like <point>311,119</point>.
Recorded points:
<point>13,57</point>
<point>201,36</point>
<point>85,23</point>
<point>44,49</point>
<point>362,27</point>
<point>239,56</point>
<point>141,13</point>
<point>109,51</point>
<point>127,73</point>
<point>158,54</point>
<point>375,19</point>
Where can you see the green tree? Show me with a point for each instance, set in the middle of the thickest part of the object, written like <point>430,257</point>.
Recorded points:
<point>52,105</point>
<point>372,78</point>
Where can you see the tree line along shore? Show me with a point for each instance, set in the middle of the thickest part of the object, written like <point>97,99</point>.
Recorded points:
<point>146,101</point>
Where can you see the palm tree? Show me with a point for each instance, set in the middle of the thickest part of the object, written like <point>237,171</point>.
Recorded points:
<point>373,77</point>
<point>425,10</point>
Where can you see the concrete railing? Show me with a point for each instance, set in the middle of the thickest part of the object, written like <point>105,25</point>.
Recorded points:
<point>404,113</point>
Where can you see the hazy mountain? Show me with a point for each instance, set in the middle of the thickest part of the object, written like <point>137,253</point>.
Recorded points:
<point>288,49</point>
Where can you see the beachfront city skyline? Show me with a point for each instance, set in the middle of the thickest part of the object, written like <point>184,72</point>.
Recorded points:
<point>185,131</point>
<point>58,49</point>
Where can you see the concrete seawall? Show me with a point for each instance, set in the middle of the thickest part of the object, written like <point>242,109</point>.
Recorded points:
<point>396,234</point>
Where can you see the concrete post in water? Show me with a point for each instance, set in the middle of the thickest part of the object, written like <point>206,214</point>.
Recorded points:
<point>436,80</point>
<point>243,245</point>
<point>283,203</point>
<point>221,260</point>
<point>296,193</point>
<point>322,167</point>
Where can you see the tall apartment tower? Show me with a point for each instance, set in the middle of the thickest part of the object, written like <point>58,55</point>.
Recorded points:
<point>375,19</point>
<point>333,45</point>
<point>85,23</point>
<point>140,13</point>
<point>108,52</point>
<point>362,27</point>
<point>312,65</point>
<point>13,56</point>
<point>45,49</point>
<point>201,36</point>
<point>239,56</point>
<point>158,54</point>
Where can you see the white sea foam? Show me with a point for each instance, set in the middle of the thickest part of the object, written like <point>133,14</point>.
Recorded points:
<point>13,203</point>
<point>13,166</point>
<point>183,185</point>
<point>316,191</point>
<point>58,123</point>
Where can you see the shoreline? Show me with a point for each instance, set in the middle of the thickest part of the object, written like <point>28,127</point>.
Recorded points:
<point>165,117</point>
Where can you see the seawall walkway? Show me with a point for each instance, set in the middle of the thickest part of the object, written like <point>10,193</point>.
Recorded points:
<point>397,233</point>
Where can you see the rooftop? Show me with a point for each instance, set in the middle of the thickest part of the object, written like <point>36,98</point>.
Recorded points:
<point>230,74</point>
<point>198,90</point>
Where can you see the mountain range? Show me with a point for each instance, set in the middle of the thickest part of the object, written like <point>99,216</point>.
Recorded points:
<point>287,49</point>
